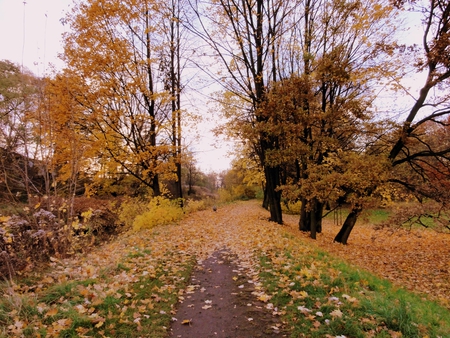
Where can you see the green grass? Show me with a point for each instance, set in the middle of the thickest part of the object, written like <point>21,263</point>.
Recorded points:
<point>105,306</point>
<point>343,300</point>
<point>369,216</point>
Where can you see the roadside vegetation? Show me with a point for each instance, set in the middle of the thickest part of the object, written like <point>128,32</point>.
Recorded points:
<point>130,286</point>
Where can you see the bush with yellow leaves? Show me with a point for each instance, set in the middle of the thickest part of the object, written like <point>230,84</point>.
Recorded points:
<point>160,211</point>
<point>291,207</point>
<point>194,205</point>
<point>129,209</point>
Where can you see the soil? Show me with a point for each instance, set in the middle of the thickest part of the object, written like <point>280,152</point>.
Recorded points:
<point>219,303</point>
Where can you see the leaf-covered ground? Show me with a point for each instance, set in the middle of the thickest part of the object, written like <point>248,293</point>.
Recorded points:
<point>416,259</point>
<point>131,286</point>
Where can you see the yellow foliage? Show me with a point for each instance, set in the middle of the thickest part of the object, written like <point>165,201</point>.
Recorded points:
<point>291,207</point>
<point>225,196</point>
<point>130,209</point>
<point>238,191</point>
<point>192,206</point>
<point>161,211</point>
<point>87,214</point>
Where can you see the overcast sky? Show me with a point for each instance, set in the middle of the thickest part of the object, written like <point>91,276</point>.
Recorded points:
<point>30,32</point>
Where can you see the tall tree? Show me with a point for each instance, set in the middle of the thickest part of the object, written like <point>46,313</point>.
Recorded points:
<point>115,52</point>
<point>63,143</point>
<point>245,39</point>
<point>429,106</point>
<point>346,57</point>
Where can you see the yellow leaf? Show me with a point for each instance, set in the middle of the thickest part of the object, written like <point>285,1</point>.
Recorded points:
<point>186,322</point>
<point>4,219</point>
<point>264,298</point>
<point>99,324</point>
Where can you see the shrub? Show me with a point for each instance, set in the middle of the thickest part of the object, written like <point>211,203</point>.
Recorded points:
<point>130,209</point>
<point>225,196</point>
<point>161,211</point>
<point>193,205</point>
<point>46,230</point>
<point>31,239</point>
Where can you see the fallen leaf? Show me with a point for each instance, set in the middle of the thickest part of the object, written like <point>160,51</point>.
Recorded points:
<point>336,313</point>
<point>51,312</point>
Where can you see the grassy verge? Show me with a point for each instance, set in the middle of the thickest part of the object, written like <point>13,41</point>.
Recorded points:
<point>370,216</point>
<point>320,296</point>
<point>135,298</point>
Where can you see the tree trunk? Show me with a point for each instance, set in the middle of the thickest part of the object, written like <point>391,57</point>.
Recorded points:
<point>313,214</point>
<point>319,214</point>
<point>304,223</point>
<point>265,203</point>
<point>311,220</point>
<point>155,186</point>
<point>274,196</point>
<point>347,227</point>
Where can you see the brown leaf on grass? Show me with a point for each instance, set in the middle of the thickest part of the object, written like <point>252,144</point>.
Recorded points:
<point>336,313</point>
<point>52,312</point>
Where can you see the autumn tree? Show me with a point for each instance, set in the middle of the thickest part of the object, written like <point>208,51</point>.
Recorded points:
<point>326,57</point>
<point>124,67</point>
<point>174,13</point>
<point>412,150</point>
<point>245,40</point>
<point>346,60</point>
<point>63,143</point>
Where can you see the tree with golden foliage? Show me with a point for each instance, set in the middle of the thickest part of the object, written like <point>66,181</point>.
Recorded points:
<point>123,66</point>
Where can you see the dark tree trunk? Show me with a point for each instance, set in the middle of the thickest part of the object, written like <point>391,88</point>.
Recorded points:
<point>304,224</point>
<point>311,220</point>
<point>347,227</point>
<point>155,186</point>
<point>313,214</point>
<point>274,196</point>
<point>317,214</point>
<point>265,203</point>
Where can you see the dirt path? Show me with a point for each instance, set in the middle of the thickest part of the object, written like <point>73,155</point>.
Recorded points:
<point>220,303</point>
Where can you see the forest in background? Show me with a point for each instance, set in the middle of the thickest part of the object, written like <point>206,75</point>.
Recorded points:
<point>101,146</point>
